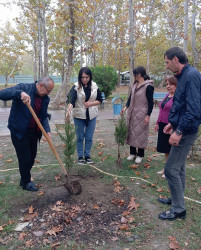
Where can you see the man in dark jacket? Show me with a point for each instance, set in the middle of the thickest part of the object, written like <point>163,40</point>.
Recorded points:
<point>23,128</point>
<point>184,120</point>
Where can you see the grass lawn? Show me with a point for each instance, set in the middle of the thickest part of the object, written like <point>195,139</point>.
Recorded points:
<point>117,208</point>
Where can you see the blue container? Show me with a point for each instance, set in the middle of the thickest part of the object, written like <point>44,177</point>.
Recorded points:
<point>117,107</point>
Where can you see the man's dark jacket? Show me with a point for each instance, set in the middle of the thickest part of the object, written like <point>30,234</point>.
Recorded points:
<point>185,114</point>
<point>20,115</point>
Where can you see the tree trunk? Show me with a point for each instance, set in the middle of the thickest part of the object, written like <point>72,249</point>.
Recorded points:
<point>186,26</point>
<point>62,92</point>
<point>193,36</point>
<point>35,60</point>
<point>131,41</point>
<point>40,65</point>
<point>45,43</point>
<point>119,157</point>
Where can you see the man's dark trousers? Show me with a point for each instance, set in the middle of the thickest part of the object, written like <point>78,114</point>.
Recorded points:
<point>26,150</point>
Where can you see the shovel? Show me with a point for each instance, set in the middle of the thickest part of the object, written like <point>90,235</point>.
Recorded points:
<point>73,187</point>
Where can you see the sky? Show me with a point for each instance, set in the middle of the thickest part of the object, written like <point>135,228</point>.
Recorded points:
<point>8,13</point>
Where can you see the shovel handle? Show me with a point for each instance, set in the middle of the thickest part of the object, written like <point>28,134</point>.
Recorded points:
<point>47,138</point>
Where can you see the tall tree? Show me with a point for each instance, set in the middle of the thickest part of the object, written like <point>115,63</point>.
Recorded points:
<point>69,6</point>
<point>131,42</point>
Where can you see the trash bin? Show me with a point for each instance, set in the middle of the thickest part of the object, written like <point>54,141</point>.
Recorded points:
<point>117,104</point>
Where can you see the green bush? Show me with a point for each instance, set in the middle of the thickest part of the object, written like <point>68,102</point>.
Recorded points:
<point>106,78</point>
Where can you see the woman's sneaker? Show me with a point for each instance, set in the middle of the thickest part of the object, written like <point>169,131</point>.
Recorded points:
<point>80,160</point>
<point>138,159</point>
<point>88,160</point>
<point>131,157</point>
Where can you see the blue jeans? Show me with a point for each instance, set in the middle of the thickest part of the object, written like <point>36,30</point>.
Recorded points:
<point>84,132</point>
<point>175,171</point>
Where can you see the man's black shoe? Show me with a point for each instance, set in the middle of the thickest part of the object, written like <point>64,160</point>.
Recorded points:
<point>167,201</point>
<point>171,215</point>
<point>30,186</point>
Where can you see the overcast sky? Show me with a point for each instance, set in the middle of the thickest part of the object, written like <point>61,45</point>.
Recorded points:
<point>8,13</point>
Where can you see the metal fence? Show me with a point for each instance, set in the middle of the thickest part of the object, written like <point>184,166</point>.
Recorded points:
<point>29,79</point>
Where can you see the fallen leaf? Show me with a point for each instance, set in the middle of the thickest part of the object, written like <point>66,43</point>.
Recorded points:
<point>143,186</point>
<point>146,176</point>
<point>54,245</point>
<point>55,230</point>
<point>29,217</point>
<point>149,159</point>
<point>38,233</point>
<point>192,165</point>
<point>1,156</point>
<point>118,189</point>
<point>125,213</point>
<point>1,228</point>
<point>22,236</point>
<point>192,179</point>
<point>41,193</point>
<point>10,160</point>
<point>133,205</point>
<point>124,220</point>
<point>31,209</point>
<point>154,155</point>
<point>153,185</point>
<point>146,165</point>
<point>131,219</point>
<point>100,153</point>
<point>96,207</point>
<point>100,145</point>
<point>173,243</point>
<point>124,227</point>
<point>1,182</point>
<point>162,197</point>
<point>105,158</point>
<point>160,190</point>
<point>199,190</point>
<point>57,177</point>
<point>134,166</point>
<point>118,202</point>
<point>29,243</point>
<point>114,238</point>
<point>137,173</point>
<point>37,161</point>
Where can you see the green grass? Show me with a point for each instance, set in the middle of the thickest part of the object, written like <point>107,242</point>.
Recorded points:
<point>146,225</point>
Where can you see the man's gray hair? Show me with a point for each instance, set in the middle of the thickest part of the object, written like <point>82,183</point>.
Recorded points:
<point>45,80</point>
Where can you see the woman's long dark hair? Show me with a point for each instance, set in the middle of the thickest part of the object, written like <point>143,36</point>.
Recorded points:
<point>88,72</point>
<point>142,71</point>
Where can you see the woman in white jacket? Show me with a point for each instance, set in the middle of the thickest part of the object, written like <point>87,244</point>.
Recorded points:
<point>83,99</point>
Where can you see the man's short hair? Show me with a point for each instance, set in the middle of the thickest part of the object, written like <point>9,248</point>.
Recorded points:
<point>178,52</point>
<point>45,80</point>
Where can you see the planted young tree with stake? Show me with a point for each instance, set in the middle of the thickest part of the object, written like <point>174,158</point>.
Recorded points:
<point>120,134</point>
<point>70,144</point>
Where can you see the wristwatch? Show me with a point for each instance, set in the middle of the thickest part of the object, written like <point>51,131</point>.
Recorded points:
<point>178,132</point>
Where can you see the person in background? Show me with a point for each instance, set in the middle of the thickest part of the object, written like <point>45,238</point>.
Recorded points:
<point>23,128</point>
<point>82,100</point>
<point>184,120</point>
<point>165,106</point>
<point>139,108</point>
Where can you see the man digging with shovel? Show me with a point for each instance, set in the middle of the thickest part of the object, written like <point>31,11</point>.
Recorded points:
<point>23,128</point>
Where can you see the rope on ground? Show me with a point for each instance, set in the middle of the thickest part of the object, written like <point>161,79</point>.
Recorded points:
<point>38,166</point>
<point>120,176</point>
<point>103,172</point>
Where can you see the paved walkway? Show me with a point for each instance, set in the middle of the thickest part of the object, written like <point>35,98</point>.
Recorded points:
<point>58,117</point>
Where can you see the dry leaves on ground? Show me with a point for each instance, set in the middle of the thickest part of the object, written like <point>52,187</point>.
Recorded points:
<point>132,204</point>
<point>173,243</point>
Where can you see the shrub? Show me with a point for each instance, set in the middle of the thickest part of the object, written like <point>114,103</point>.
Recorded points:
<point>106,78</point>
